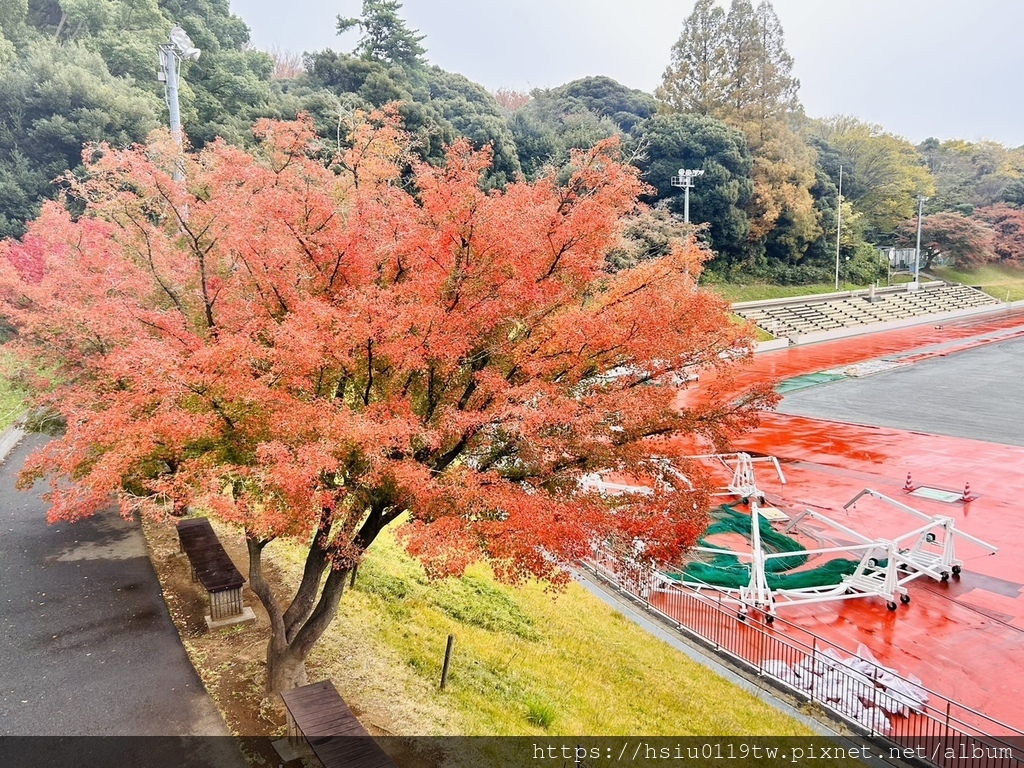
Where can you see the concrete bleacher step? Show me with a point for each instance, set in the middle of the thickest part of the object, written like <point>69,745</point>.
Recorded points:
<point>789,318</point>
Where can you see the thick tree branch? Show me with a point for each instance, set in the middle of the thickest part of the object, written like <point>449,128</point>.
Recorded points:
<point>305,596</point>
<point>369,371</point>
<point>321,616</point>
<point>259,584</point>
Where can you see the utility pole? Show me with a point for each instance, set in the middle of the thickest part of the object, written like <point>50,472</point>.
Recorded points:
<point>839,222</point>
<point>178,48</point>
<point>685,180</point>
<point>917,253</point>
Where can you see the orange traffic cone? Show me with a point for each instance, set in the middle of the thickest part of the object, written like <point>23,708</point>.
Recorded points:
<point>909,485</point>
<point>967,493</point>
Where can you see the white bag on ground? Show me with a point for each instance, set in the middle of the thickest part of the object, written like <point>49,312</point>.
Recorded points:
<point>780,671</point>
<point>889,703</point>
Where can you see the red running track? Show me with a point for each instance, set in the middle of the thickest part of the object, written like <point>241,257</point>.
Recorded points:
<point>963,638</point>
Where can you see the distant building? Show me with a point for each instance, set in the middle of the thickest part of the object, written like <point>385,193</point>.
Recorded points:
<point>902,259</point>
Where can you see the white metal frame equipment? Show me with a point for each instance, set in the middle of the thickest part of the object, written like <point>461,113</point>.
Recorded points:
<point>884,568</point>
<point>933,551</point>
<point>744,481</point>
<point>876,573</point>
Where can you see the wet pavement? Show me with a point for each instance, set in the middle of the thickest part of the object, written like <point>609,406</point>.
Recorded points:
<point>915,342</point>
<point>87,647</point>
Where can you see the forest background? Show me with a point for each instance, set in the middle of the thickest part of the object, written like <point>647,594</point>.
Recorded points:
<point>76,71</point>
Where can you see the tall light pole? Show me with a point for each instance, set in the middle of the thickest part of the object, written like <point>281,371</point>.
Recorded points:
<point>178,48</point>
<point>685,180</point>
<point>917,253</point>
<point>839,222</point>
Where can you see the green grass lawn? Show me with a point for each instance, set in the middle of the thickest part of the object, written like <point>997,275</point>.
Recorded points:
<point>1001,282</point>
<point>759,333</point>
<point>526,661</point>
<point>736,292</point>
<point>12,399</point>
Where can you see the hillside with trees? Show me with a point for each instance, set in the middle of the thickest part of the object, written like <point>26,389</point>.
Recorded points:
<point>732,65</point>
<point>77,72</point>
<point>728,104</point>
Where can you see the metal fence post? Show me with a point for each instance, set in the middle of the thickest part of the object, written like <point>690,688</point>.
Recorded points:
<point>447,661</point>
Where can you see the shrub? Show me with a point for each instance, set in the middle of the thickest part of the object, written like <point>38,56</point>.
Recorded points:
<point>540,712</point>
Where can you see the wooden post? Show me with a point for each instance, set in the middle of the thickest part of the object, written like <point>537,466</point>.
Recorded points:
<point>447,661</point>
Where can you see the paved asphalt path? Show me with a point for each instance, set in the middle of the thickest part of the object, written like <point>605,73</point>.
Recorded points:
<point>87,647</point>
<point>977,393</point>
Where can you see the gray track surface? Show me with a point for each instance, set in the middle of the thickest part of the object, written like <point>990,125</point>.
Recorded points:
<point>977,393</point>
<point>86,644</point>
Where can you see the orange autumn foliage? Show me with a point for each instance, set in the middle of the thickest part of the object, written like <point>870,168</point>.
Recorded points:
<point>309,350</point>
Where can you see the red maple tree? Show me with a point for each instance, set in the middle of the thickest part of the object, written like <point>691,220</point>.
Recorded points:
<point>964,241</point>
<point>1007,222</point>
<point>317,352</point>
<point>510,99</point>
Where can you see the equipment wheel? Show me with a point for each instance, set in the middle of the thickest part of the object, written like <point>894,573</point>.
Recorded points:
<point>741,616</point>
<point>905,599</point>
<point>944,575</point>
<point>872,563</point>
<point>891,605</point>
<point>956,570</point>
<point>769,619</point>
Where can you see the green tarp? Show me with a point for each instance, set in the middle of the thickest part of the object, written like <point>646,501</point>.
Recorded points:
<point>723,570</point>
<point>807,380</point>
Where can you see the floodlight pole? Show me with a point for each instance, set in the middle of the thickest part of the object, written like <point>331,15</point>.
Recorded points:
<point>686,201</point>
<point>685,180</point>
<point>917,253</point>
<point>169,64</point>
<point>839,222</point>
<point>177,48</point>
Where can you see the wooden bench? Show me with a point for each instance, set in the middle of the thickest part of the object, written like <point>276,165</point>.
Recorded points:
<point>212,568</point>
<point>318,715</point>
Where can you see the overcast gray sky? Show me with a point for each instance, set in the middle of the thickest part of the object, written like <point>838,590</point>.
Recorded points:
<point>920,68</point>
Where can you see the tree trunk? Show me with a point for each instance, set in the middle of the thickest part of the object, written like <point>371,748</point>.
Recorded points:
<point>289,646</point>
<point>284,668</point>
<point>294,632</point>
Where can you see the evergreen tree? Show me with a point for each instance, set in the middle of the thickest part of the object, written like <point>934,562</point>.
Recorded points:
<point>74,71</point>
<point>774,87</point>
<point>575,116</point>
<point>743,55</point>
<point>385,36</point>
<point>695,80</point>
<point>13,18</point>
<point>723,194</point>
<point>55,97</point>
<point>436,106</point>
<point>606,98</point>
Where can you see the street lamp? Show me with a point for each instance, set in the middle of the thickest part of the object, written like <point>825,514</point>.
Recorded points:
<point>839,222</point>
<point>685,180</point>
<point>917,253</point>
<point>177,49</point>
